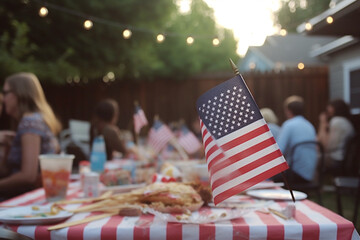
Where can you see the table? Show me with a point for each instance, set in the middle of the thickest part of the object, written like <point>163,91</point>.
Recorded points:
<point>311,222</point>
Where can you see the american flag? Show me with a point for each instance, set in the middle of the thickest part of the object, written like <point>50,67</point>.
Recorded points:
<point>159,136</point>
<point>239,148</point>
<point>139,119</point>
<point>188,140</point>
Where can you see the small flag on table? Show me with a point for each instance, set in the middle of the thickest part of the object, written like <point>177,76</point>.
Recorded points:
<point>239,148</point>
<point>159,136</point>
<point>188,140</point>
<point>139,119</point>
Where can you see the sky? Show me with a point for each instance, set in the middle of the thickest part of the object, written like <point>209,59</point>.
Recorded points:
<point>250,20</point>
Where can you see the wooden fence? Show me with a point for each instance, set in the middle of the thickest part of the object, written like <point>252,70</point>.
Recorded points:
<point>173,100</point>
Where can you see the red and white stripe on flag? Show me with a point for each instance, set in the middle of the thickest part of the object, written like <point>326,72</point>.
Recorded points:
<point>140,120</point>
<point>159,136</point>
<point>189,142</point>
<point>241,159</point>
<point>239,147</point>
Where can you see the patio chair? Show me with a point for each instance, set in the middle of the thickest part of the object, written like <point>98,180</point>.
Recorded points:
<point>350,182</point>
<point>76,135</point>
<point>317,183</point>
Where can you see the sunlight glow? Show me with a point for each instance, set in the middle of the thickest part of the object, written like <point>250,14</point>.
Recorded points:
<point>250,20</point>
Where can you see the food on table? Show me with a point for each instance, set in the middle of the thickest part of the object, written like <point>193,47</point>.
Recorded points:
<point>115,177</point>
<point>38,212</point>
<point>55,183</point>
<point>203,190</point>
<point>170,197</point>
<point>170,170</point>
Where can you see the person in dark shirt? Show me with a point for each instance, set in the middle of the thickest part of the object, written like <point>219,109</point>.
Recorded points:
<point>105,118</point>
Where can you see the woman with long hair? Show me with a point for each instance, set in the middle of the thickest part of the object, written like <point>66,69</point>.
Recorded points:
<point>36,130</point>
<point>335,129</point>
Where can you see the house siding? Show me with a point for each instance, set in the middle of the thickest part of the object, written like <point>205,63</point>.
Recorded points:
<point>251,57</point>
<point>339,67</point>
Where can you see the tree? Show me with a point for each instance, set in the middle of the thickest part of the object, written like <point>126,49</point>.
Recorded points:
<point>294,12</point>
<point>57,47</point>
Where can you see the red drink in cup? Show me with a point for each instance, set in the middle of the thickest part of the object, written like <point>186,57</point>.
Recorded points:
<point>55,173</point>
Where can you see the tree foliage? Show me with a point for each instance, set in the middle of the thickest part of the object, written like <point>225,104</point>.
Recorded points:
<point>57,47</point>
<point>294,12</point>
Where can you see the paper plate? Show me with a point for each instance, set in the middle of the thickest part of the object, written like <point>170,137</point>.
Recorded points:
<point>26,215</point>
<point>276,194</point>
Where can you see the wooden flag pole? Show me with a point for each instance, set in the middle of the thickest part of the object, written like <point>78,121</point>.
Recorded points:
<point>236,71</point>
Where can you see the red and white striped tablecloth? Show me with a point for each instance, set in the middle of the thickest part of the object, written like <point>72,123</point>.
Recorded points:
<point>311,222</point>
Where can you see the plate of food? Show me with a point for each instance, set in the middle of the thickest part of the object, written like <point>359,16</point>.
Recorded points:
<point>276,194</point>
<point>34,215</point>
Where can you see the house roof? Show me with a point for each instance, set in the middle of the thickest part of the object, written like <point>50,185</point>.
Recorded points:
<point>346,16</point>
<point>291,49</point>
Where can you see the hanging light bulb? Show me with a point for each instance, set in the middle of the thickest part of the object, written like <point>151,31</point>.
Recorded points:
<point>190,40</point>
<point>43,12</point>
<point>301,66</point>
<point>160,38</point>
<point>308,26</point>
<point>127,34</point>
<point>88,24</point>
<point>283,32</point>
<point>215,42</point>
<point>329,20</point>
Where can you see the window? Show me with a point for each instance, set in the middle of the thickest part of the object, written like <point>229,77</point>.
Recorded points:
<point>354,93</point>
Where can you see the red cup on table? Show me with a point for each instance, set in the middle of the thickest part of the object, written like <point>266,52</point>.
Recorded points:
<point>55,173</point>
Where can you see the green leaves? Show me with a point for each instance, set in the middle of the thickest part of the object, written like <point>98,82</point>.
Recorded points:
<point>57,46</point>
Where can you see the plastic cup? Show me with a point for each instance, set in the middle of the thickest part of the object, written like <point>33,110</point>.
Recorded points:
<point>55,173</point>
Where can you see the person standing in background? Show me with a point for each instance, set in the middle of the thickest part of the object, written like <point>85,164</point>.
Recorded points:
<point>335,129</point>
<point>37,128</point>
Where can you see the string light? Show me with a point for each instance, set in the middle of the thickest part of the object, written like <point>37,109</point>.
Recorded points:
<point>283,32</point>
<point>190,40</point>
<point>329,20</point>
<point>216,42</point>
<point>301,66</point>
<point>308,26</point>
<point>111,76</point>
<point>88,24</point>
<point>43,12</point>
<point>252,65</point>
<point>160,38</point>
<point>127,34</point>
<point>76,79</point>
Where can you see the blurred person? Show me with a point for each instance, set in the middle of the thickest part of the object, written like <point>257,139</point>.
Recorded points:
<point>335,129</point>
<point>104,122</point>
<point>271,120</point>
<point>37,127</point>
<point>6,137</point>
<point>294,130</point>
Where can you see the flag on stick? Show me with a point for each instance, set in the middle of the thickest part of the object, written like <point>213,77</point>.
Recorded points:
<point>159,135</point>
<point>239,148</point>
<point>188,140</point>
<point>139,119</point>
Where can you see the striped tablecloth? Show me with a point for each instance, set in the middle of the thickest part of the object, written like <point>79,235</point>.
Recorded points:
<point>311,222</point>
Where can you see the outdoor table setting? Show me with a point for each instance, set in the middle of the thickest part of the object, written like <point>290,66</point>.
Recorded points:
<point>264,211</point>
